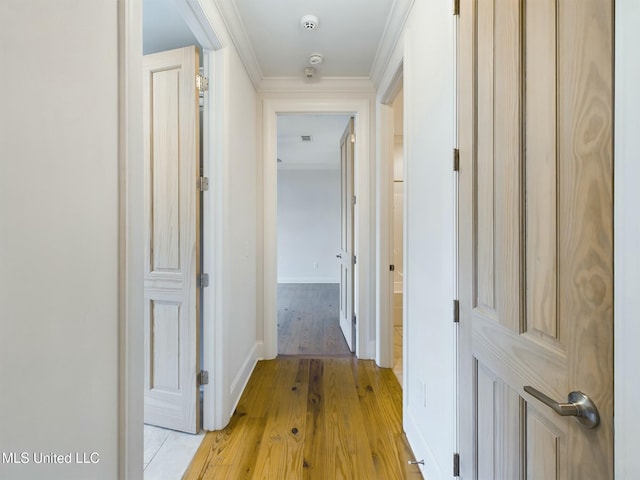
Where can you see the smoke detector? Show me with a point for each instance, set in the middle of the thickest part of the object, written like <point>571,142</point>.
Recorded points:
<point>309,22</point>
<point>316,59</point>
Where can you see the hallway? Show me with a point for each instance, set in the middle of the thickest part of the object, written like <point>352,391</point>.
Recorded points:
<point>311,418</point>
<point>308,321</point>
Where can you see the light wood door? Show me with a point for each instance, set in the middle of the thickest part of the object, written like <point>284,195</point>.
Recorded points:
<point>347,318</point>
<point>536,254</point>
<point>172,220</point>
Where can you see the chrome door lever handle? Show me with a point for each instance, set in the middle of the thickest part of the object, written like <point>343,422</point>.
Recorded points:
<point>579,405</point>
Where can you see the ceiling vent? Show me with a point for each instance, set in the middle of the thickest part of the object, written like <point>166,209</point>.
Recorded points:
<point>309,22</point>
<point>306,138</point>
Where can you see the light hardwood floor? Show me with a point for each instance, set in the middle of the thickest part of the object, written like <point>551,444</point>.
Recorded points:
<point>308,321</point>
<point>301,418</point>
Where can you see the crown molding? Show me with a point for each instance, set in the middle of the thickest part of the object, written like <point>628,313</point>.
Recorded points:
<point>390,37</point>
<point>320,84</point>
<point>392,32</point>
<point>240,38</point>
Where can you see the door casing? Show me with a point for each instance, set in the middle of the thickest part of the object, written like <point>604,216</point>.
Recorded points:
<point>364,275</point>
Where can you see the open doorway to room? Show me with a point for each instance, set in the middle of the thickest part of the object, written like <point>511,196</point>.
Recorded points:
<point>363,279</point>
<point>173,321</point>
<point>397,234</point>
<point>313,291</point>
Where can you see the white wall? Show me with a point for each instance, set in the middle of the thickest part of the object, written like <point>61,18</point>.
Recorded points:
<point>59,236</point>
<point>234,336</point>
<point>627,238</point>
<point>308,226</point>
<point>242,212</point>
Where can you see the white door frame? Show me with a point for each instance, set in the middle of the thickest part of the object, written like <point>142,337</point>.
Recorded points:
<point>359,108</point>
<point>626,238</point>
<point>131,223</point>
<point>213,154</point>
<point>131,242</point>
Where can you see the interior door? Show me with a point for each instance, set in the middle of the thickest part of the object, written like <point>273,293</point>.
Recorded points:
<point>536,254</point>
<point>346,255</point>
<point>172,220</point>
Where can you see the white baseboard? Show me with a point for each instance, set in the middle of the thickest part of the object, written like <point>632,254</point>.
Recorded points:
<point>370,354</point>
<point>430,470</point>
<point>259,347</point>
<point>242,378</point>
<point>308,280</point>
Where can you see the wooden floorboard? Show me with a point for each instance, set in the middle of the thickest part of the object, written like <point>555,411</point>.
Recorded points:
<point>308,322</point>
<point>305,418</point>
<point>382,427</point>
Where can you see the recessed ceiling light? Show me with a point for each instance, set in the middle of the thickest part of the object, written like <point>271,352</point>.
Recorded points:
<point>309,22</point>
<point>315,59</point>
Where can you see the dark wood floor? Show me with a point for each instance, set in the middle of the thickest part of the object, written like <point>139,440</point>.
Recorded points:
<point>302,418</point>
<point>308,322</point>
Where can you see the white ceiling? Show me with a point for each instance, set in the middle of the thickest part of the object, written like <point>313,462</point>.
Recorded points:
<point>323,151</point>
<point>348,34</point>
<point>355,37</point>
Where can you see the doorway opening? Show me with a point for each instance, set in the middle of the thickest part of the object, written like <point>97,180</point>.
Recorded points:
<point>312,293</point>
<point>363,276</point>
<point>173,320</point>
<point>397,235</point>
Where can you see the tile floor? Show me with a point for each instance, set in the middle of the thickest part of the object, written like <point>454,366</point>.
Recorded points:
<point>167,453</point>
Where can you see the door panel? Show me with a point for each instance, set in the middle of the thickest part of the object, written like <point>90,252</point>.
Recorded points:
<point>346,237</point>
<point>498,426</point>
<point>535,98</point>
<point>172,219</point>
<point>546,446</point>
